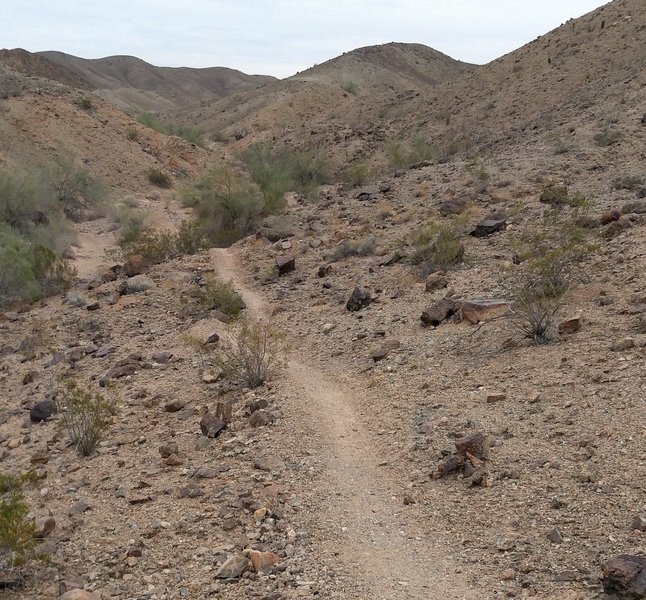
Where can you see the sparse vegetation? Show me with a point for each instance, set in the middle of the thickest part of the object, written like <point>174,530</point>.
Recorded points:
<point>86,415</point>
<point>628,182</point>
<point>256,350</point>
<point>559,195</point>
<point>608,136</point>
<point>401,155</point>
<point>189,132</point>
<point>353,248</point>
<point>438,247</point>
<point>159,178</point>
<point>84,103</point>
<point>350,86</point>
<point>356,174</point>
<point>17,531</point>
<point>216,294</point>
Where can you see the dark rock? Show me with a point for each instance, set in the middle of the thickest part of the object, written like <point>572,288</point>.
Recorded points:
<point>30,377</point>
<point>42,410</point>
<point>626,576</point>
<point>93,306</point>
<point>639,523</point>
<point>167,449</point>
<point>360,298</point>
<point>214,338</point>
<point>449,465</point>
<point>489,227</point>
<point>162,358</point>
<point>364,196</point>
<point>261,418</point>
<point>324,270</point>
<point>44,526</point>
<point>174,406</point>
<point>211,426</point>
<point>570,326</point>
<point>453,206</point>
<point>385,350</point>
<point>285,264</point>
<point>555,536</point>
<point>79,508</point>
<point>440,311</point>
<point>475,444</point>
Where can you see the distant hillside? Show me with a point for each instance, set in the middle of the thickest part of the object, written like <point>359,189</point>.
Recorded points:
<point>25,62</point>
<point>135,85</point>
<point>333,93</point>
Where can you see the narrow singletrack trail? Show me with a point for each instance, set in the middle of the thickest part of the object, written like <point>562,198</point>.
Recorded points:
<point>363,528</point>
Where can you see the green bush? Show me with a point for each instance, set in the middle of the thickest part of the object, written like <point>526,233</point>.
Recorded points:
<point>218,295</point>
<point>356,174</point>
<point>86,415</point>
<point>159,178</point>
<point>559,195</point>
<point>226,206</point>
<point>438,247</point>
<point>84,103</point>
<point>189,132</point>
<point>402,156</point>
<point>78,191</point>
<point>350,86</point>
<point>17,532</point>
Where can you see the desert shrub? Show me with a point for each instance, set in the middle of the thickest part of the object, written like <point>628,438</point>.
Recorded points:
<point>559,195</point>
<point>608,136</point>
<point>11,483</point>
<point>189,132</point>
<point>132,134</point>
<point>401,155</point>
<point>271,171</point>
<point>353,248</point>
<point>77,189</point>
<point>438,247</point>
<point>356,174</point>
<point>559,144</point>
<point>257,348</point>
<point>159,178</point>
<point>309,170</point>
<point>17,531</point>
<point>549,259</point>
<point>350,86</point>
<point>190,238</point>
<point>86,415</point>
<point>84,103</point>
<point>226,205</point>
<point>29,271</point>
<point>220,295</point>
<point>478,170</point>
<point>628,182</point>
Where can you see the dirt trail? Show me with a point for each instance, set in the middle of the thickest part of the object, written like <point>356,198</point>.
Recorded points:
<point>362,525</point>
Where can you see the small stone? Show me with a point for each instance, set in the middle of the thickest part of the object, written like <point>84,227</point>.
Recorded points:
<point>262,562</point>
<point>639,523</point>
<point>167,449</point>
<point>79,595</point>
<point>137,284</point>
<point>135,265</point>
<point>623,344</point>
<point>29,377</point>
<point>496,397</point>
<point>360,298</point>
<point>489,227</point>
<point>570,326</point>
<point>328,327</point>
<point>79,507</point>
<point>439,312</point>
<point>174,406</point>
<point>437,281</point>
<point>285,264</point>
<point>479,311</point>
<point>173,461</point>
<point>475,444</point>
<point>211,377</point>
<point>212,339</point>
<point>555,536</point>
<point>93,306</point>
<point>233,568</point>
<point>44,526</point>
<point>162,358</point>
<point>261,418</point>
<point>205,473</point>
<point>211,426</point>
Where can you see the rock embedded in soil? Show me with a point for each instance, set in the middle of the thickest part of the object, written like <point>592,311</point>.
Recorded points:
<point>44,526</point>
<point>135,265</point>
<point>570,326</point>
<point>625,576</point>
<point>440,311</point>
<point>489,227</point>
<point>437,281</point>
<point>42,410</point>
<point>475,444</point>
<point>262,562</point>
<point>477,311</point>
<point>623,345</point>
<point>639,523</point>
<point>79,595</point>
<point>360,298</point>
<point>137,284</point>
<point>285,264</point>
<point>233,568</point>
<point>211,426</point>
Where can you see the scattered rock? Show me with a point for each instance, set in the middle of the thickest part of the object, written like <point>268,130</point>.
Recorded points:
<point>79,595</point>
<point>44,526</point>
<point>626,576</point>
<point>285,264</point>
<point>453,206</point>
<point>260,418</point>
<point>135,265</point>
<point>262,562</point>
<point>233,568</point>
<point>489,227</point>
<point>212,339</point>
<point>168,449</point>
<point>639,523</point>
<point>385,350</point>
<point>623,345</point>
<point>570,326</point>
<point>437,281</point>
<point>162,358</point>
<point>496,397</point>
<point>79,508</point>
<point>42,410</point>
<point>480,310</point>
<point>211,426</point>
<point>440,311</point>
<point>174,406</point>
<point>360,298</point>
<point>473,445</point>
<point>555,536</point>
<point>74,298</point>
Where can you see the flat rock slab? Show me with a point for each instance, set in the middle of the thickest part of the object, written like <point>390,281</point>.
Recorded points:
<point>476,311</point>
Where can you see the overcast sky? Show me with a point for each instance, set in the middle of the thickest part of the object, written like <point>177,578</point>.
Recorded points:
<point>276,37</point>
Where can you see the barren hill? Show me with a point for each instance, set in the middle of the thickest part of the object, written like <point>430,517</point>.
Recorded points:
<point>340,90</point>
<point>34,65</point>
<point>134,85</point>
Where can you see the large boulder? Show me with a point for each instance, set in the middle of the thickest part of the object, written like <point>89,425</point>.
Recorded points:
<point>489,227</point>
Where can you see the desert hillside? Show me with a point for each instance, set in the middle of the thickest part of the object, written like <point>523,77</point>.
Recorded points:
<point>134,85</point>
<point>381,337</point>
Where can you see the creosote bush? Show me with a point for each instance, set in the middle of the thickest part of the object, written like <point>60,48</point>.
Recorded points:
<point>159,178</point>
<point>353,248</point>
<point>438,247</point>
<point>401,156</point>
<point>220,295</point>
<point>86,415</point>
<point>257,348</point>
<point>188,132</point>
<point>549,259</point>
<point>17,532</point>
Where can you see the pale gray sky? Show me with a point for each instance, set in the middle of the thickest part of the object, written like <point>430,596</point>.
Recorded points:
<point>277,37</point>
